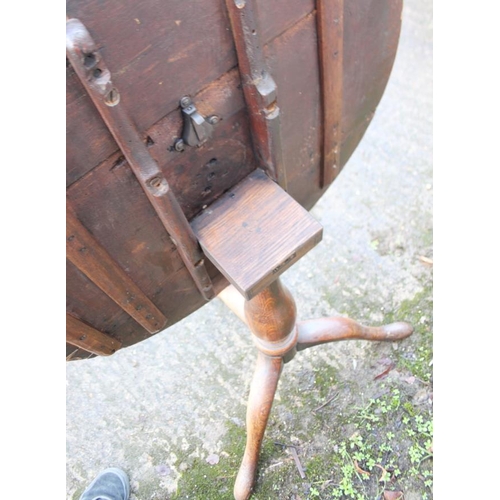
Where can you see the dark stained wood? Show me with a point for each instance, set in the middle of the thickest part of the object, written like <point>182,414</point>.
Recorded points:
<point>154,60</point>
<point>95,76</point>
<point>320,331</point>
<point>196,175</point>
<point>260,400</point>
<point>259,88</point>
<point>254,232</point>
<point>131,194</point>
<point>111,204</point>
<point>371,34</point>
<point>92,259</point>
<point>330,19</point>
<point>86,301</point>
<point>88,138</point>
<point>271,318</point>
<point>177,49</point>
<point>200,175</point>
<point>86,337</point>
<point>90,304</point>
<point>278,16</point>
<point>300,105</point>
<point>157,52</point>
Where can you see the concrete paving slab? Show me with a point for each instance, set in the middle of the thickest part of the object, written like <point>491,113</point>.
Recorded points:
<point>151,408</point>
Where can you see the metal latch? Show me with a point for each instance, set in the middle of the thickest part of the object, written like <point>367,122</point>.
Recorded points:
<point>197,130</point>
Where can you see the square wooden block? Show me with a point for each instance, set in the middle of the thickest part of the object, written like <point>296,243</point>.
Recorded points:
<point>254,232</point>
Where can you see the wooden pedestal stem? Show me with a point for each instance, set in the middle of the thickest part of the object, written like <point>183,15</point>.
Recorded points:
<point>260,400</point>
<point>271,317</point>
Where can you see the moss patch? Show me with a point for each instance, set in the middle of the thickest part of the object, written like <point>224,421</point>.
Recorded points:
<point>416,353</point>
<point>355,434</point>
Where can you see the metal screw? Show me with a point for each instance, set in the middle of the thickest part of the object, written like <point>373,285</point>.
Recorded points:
<point>112,98</point>
<point>179,145</point>
<point>185,101</point>
<point>213,120</point>
<point>155,182</point>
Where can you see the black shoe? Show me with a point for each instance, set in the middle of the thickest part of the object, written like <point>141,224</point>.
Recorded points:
<point>110,484</point>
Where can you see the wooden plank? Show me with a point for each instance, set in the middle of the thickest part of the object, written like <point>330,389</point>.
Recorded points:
<point>88,140</point>
<point>278,16</point>
<point>111,204</point>
<point>175,295</point>
<point>230,140</point>
<point>158,50</point>
<point>96,78</point>
<point>197,175</point>
<point>293,62</point>
<point>330,20</point>
<point>86,337</point>
<point>255,232</point>
<point>371,34</point>
<point>86,301</point>
<point>178,48</point>
<point>92,260</point>
<point>259,88</point>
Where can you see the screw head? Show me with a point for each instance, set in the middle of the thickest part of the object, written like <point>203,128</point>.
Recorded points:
<point>185,101</point>
<point>179,145</point>
<point>112,98</point>
<point>155,182</point>
<point>213,120</point>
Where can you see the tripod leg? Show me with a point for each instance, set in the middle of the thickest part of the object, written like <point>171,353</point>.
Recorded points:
<point>260,400</point>
<point>320,331</point>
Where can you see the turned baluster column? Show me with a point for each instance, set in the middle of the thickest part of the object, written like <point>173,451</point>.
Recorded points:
<point>270,316</point>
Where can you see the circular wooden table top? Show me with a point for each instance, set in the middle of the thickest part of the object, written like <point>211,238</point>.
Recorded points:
<point>327,64</point>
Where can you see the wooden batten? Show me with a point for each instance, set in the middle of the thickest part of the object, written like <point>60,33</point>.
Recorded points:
<point>254,232</point>
<point>87,337</point>
<point>93,73</point>
<point>315,68</point>
<point>86,253</point>
<point>330,23</point>
<point>259,88</point>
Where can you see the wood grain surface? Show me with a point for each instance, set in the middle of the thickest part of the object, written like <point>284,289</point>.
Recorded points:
<point>84,336</point>
<point>156,53</point>
<point>92,259</point>
<point>254,232</point>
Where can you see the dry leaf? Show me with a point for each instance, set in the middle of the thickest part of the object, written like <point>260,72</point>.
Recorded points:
<point>426,260</point>
<point>384,473</point>
<point>297,462</point>
<point>393,495</point>
<point>359,469</point>
<point>385,372</point>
